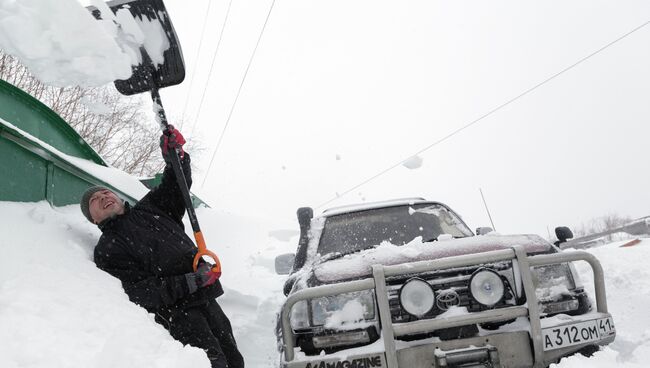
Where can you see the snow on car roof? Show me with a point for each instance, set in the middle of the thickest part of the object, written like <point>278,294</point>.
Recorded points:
<point>372,205</point>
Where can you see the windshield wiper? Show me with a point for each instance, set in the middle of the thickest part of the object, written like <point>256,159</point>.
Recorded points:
<point>436,239</point>
<point>331,256</point>
<point>337,255</point>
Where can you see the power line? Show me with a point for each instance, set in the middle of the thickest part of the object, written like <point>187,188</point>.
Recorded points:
<point>487,114</point>
<point>214,57</point>
<point>198,53</point>
<point>241,85</point>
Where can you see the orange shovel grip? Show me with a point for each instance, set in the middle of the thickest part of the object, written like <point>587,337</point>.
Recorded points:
<point>203,251</point>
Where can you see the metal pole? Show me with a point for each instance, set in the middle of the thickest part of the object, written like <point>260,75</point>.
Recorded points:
<point>385,318</point>
<point>488,210</point>
<point>532,303</point>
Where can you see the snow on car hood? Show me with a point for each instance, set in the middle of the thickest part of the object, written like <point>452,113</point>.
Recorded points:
<point>360,264</point>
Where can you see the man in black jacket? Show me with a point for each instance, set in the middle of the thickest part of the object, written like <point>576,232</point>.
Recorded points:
<point>145,246</point>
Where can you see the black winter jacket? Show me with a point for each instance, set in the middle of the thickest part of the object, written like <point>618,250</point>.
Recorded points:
<point>148,250</point>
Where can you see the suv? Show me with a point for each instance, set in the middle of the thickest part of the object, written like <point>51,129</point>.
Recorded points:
<point>406,283</point>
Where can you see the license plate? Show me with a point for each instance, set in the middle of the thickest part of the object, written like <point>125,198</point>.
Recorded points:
<point>577,333</point>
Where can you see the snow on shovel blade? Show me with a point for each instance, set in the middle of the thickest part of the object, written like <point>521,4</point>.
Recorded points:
<point>149,31</point>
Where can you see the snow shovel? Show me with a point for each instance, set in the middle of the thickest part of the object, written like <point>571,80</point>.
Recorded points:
<point>167,69</point>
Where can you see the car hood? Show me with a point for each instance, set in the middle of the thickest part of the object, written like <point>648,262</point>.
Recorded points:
<point>360,264</point>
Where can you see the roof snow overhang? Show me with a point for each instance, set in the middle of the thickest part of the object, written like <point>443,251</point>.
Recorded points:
<point>33,117</point>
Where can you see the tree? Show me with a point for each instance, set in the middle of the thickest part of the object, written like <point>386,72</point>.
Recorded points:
<point>115,126</point>
<point>600,224</point>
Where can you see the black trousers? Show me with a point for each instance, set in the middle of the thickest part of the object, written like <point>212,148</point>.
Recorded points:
<point>207,327</point>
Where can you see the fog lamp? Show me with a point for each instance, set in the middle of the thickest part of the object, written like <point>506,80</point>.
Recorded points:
<point>486,287</point>
<point>417,297</point>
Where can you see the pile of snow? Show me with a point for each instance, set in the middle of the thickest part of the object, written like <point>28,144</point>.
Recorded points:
<point>132,33</point>
<point>61,43</point>
<point>348,318</point>
<point>58,310</point>
<point>627,279</point>
<point>360,263</point>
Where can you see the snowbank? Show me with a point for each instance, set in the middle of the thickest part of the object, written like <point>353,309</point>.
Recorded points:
<point>61,43</point>
<point>58,310</point>
<point>627,278</point>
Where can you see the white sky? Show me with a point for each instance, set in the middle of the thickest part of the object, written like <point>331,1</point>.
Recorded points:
<point>376,81</point>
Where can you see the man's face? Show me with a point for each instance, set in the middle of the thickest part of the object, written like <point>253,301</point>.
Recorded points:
<point>104,204</point>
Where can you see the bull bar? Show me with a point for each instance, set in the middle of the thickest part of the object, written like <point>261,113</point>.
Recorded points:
<point>391,330</point>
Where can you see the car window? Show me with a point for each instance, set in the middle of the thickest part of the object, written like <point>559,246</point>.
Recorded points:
<point>399,225</point>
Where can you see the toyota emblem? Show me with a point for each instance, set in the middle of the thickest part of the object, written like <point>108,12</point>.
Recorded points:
<point>447,299</point>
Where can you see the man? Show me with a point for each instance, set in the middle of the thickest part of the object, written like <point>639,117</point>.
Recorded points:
<point>145,246</point>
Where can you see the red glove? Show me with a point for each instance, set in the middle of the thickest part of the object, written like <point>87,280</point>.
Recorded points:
<point>170,140</point>
<point>205,276</point>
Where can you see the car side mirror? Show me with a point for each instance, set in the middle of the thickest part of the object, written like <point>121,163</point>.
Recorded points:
<point>563,233</point>
<point>284,263</point>
<point>483,230</point>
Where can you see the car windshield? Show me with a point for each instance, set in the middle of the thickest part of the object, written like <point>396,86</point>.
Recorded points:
<point>352,232</point>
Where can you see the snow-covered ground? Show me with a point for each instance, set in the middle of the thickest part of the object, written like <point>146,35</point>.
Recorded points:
<point>627,278</point>
<point>58,310</point>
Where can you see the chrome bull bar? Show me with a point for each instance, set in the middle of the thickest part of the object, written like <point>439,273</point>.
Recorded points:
<point>391,330</point>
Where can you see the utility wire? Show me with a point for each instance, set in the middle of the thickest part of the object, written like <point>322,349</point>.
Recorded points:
<point>214,57</point>
<point>241,85</point>
<point>486,115</point>
<point>198,53</point>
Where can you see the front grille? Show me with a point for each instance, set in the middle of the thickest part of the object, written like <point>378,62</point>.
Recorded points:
<point>448,281</point>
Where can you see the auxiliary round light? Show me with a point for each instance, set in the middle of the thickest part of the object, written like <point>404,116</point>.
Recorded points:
<point>486,287</point>
<point>417,297</point>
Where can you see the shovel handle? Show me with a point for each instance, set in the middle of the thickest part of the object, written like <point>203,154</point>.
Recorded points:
<point>180,177</point>
<point>203,251</point>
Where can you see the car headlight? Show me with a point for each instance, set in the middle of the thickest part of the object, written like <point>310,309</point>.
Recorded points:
<point>552,281</point>
<point>417,297</point>
<point>486,287</point>
<point>343,309</point>
<point>299,316</point>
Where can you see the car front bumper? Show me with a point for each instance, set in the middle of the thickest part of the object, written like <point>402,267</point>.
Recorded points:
<point>539,343</point>
<point>498,349</point>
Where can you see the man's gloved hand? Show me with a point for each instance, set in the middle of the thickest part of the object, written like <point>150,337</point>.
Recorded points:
<point>201,278</point>
<point>205,276</point>
<point>170,140</point>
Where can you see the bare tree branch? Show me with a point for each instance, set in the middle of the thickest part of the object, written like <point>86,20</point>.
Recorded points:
<point>115,126</point>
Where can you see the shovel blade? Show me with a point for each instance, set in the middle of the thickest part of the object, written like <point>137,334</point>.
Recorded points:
<point>156,26</point>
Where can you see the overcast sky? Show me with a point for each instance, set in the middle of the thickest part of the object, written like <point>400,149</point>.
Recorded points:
<point>341,90</point>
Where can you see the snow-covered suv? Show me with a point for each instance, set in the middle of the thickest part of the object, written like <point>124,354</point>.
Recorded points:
<point>406,283</point>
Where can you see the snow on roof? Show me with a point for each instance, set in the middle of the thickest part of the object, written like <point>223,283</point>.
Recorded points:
<point>371,205</point>
<point>119,179</point>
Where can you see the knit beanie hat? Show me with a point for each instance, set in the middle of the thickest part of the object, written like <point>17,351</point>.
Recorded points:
<point>85,198</point>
